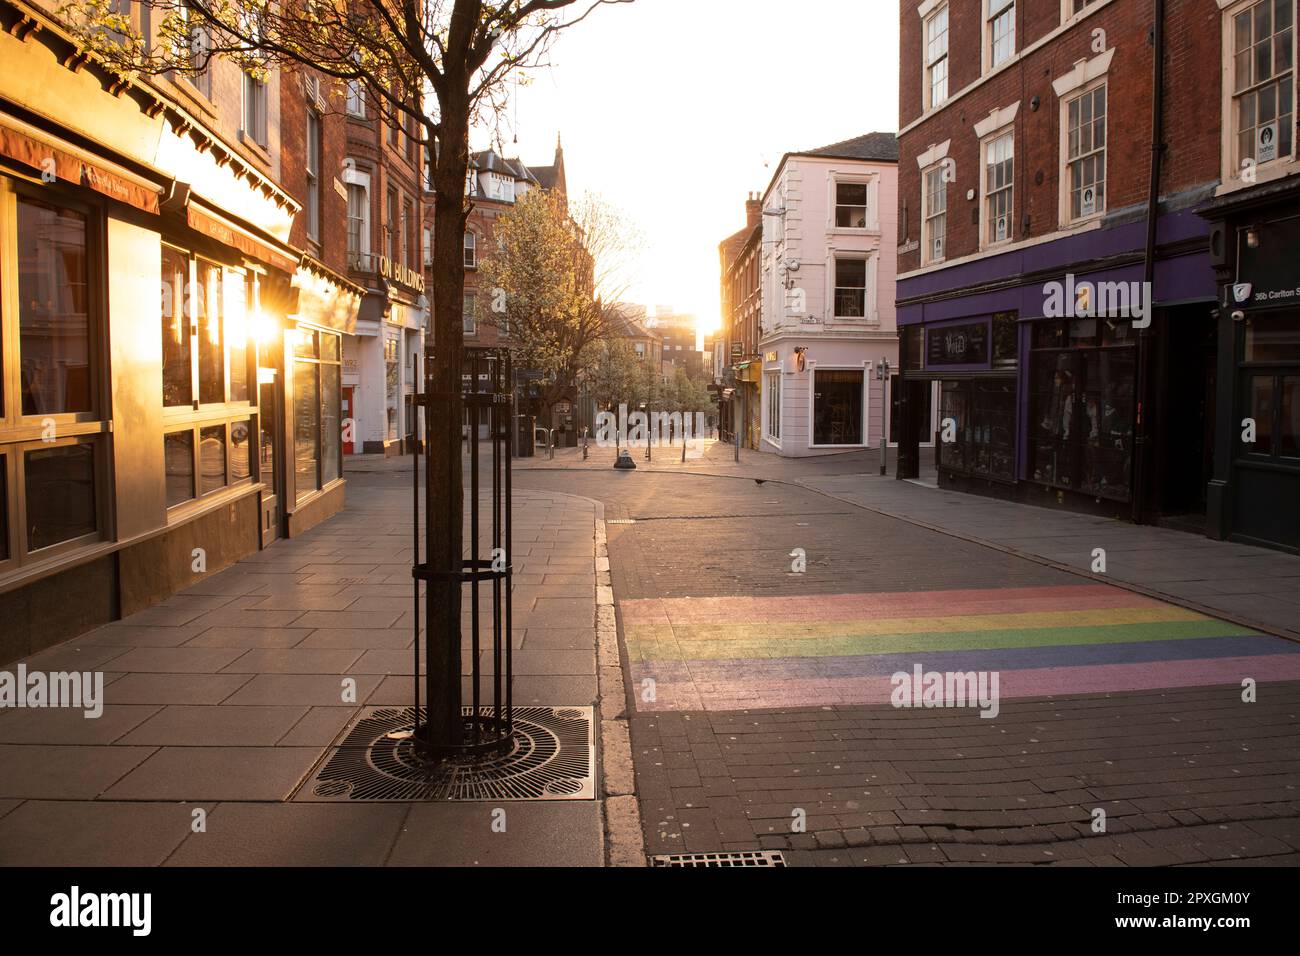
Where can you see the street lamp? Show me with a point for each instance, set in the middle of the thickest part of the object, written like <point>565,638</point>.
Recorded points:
<point>882,375</point>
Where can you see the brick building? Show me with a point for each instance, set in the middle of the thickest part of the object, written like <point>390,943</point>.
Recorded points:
<point>171,337</point>
<point>736,346</point>
<point>382,183</point>
<point>1029,227</point>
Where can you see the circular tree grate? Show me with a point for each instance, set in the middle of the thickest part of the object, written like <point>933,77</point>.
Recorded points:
<point>551,756</point>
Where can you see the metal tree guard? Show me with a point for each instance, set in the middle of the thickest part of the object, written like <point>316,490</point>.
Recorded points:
<point>488,397</point>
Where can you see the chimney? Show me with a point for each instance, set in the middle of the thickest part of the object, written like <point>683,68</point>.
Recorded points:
<point>753,210</point>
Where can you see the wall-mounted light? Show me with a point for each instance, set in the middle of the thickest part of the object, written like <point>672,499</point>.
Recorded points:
<point>1252,237</point>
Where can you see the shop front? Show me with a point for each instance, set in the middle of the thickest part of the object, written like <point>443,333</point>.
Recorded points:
<point>822,395</point>
<point>1255,492</point>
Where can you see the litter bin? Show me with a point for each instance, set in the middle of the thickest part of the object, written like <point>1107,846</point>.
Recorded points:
<point>525,443</point>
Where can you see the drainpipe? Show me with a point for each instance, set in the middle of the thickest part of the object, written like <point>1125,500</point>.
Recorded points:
<point>1149,266</point>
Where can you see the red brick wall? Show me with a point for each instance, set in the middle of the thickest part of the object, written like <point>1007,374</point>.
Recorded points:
<point>1191,110</point>
<point>332,248</point>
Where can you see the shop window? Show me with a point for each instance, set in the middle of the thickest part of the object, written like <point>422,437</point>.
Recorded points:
<point>52,458</point>
<point>1273,338</point>
<point>240,433</point>
<point>837,407</point>
<point>178,465</point>
<point>306,429</point>
<point>1273,402</point>
<point>53,311</point>
<point>1081,411</point>
<point>983,411</point>
<point>212,458</point>
<point>317,423</point>
<point>60,500</point>
<point>178,381</point>
<point>1006,339</point>
<point>772,387</point>
<point>4,510</point>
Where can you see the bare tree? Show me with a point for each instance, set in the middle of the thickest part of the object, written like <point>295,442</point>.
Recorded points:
<point>553,269</point>
<point>438,65</point>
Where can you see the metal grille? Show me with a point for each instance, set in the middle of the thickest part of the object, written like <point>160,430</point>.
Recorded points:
<point>551,757</point>
<point>768,858</point>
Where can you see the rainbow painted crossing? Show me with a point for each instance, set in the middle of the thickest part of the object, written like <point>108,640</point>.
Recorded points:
<point>714,654</point>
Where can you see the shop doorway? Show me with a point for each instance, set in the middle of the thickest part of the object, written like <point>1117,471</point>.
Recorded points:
<point>349,420</point>
<point>270,458</point>
<point>1184,446</point>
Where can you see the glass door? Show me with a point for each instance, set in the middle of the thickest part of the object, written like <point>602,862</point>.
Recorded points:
<point>270,452</point>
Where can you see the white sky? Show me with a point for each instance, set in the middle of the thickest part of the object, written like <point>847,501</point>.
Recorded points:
<point>674,110</point>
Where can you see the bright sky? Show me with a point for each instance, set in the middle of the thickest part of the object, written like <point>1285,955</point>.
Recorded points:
<point>674,110</point>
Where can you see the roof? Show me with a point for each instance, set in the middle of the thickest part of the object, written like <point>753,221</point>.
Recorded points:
<point>880,147</point>
<point>546,176</point>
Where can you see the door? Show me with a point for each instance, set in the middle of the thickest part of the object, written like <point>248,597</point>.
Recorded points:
<point>270,453</point>
<point>348,417</point>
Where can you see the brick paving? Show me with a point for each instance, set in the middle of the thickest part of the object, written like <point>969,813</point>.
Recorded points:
<point>1185,771</point>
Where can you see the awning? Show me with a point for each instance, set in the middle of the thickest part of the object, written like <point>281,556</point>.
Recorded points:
<point>32,147</point>
<point>227,233</point>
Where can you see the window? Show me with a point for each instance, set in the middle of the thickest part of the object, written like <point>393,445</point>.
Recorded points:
<point>1000,31</point>
<point>984,410</point>
<point>317,421</point>
<point>1270,371</point>
<point>772,388</point>
<point>999,169</point>
<point>1072,8</point>
<point>390,225</point>
<point>936,57</point>
<point>837,406</point>
<point>54,337</point>
<point>313,175</point>
<point>196,56</point>
<point>255,109</point>
<point>467,313</point>
<point>471,250</point>
<point>934,212</point>
<point>60,499</point>
<point>212,359</point>
<point>1081,406</point>
<point>52,458</point>
<point>355,97</point>
<point>850,288</point>
<point>206,374</point>
<point>358,223</point>
<point>1086,154</point>
<point>409,249</point>
<point>178,466</point>
<point>851,205</point>
<point>428,246</point>
<point>212,458</point>
<point>1263,84</point>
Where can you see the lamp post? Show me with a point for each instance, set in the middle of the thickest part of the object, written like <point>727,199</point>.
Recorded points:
<point>882,374</point>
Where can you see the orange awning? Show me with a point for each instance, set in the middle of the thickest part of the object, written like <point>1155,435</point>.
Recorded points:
<point>31,147</point>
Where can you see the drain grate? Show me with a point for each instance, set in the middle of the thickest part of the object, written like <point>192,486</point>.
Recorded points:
<point>552,757</point>
<point>769,858</point>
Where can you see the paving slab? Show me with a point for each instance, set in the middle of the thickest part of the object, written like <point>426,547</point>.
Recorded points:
<point>537,834</point>
<point>216,773</point>
<point>294,834</point>
<point>183,725</point>
<point>77,833</point>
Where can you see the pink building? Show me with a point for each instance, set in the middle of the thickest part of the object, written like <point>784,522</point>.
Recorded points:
<point>830,231</point>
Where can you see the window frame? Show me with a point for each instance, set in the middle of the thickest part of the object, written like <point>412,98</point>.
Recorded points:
<point>21,433</point>
<point>772,392</point>
<point>927,251</point>
<point>929,65</point>
<point>469,248</point>
<point>255,127</point>
<point>986,195</point>
<point>994,11</point>
<point>1231,98</point>
<point>311,164</point>
<point>846,255</point>
<point>1067,220</point>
